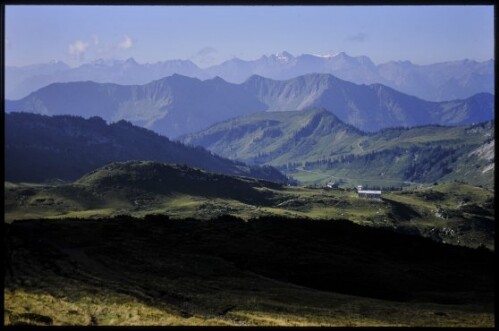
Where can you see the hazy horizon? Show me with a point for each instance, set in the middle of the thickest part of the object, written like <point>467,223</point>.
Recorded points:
<point>228,59</point>
<point>210,35</point>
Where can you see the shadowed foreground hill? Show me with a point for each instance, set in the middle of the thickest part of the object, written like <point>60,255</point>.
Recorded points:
<point>39,148</point>
<point>267,271</point>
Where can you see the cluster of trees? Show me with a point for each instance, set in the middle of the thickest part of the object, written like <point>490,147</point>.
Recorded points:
<point>308,129</point>
<point>332,163</point>
<point>432,163</point>
<point>424,162</point>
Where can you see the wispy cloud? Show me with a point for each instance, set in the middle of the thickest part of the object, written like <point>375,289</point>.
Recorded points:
<point>359,37</point>
<point>94,46</point>
<point>126,43</point>
<point>206,51</point>
<point>205,56</point>
<point>78,49</point>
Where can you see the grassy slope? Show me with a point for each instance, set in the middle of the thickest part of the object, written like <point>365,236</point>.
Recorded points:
<point>70,272</point>
<point>289,139</point>
<point>245,137</point>
<point>273,133</point>
<point>456,213</point>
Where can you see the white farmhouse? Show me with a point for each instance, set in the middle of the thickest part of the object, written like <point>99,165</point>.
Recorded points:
<point>369,194</point>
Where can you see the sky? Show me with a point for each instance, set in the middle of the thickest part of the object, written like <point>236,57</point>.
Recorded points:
<point>208,35</point>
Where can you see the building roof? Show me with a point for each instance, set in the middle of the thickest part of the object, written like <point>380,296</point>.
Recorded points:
<point>368,192</point>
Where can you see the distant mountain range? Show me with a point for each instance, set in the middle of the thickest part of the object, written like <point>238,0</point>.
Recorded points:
<point>40,148</point>
<point>178,105</point>
<point>21,81</point>
<point>436,82</point>
<point>317,144</point>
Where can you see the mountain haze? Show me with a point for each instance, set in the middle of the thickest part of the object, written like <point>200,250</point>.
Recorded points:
<point>166,106</point>
<point>367,107</point>
<point>178,105</point>
<point>21,81</point>
<point>436,82</point>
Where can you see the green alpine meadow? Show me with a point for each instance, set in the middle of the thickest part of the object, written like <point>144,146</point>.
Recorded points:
<point>314,147</point>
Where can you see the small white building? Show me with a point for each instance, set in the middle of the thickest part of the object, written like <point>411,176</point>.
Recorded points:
<point>369,194</point>
<point>332,185</point>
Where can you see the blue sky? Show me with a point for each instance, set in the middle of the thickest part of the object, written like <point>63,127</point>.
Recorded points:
<point>211,34</point>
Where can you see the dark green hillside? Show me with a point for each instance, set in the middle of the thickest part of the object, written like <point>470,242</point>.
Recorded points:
<point>156,178</point>
<point>39,148</point>
<point>140,187</point>
<point>314,146</point>
<point>394,157</point>
<point>419,164</point>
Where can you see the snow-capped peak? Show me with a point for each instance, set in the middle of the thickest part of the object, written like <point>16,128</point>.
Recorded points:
<point>326,55</point>
<point>284,56</point>
<point>103,62</point>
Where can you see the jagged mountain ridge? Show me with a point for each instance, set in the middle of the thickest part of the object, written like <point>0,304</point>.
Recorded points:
<point>166,106</point>
<point>367,107</point>
<point>21,81</point>
<point>436,82</point>
<point>178,105</point>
